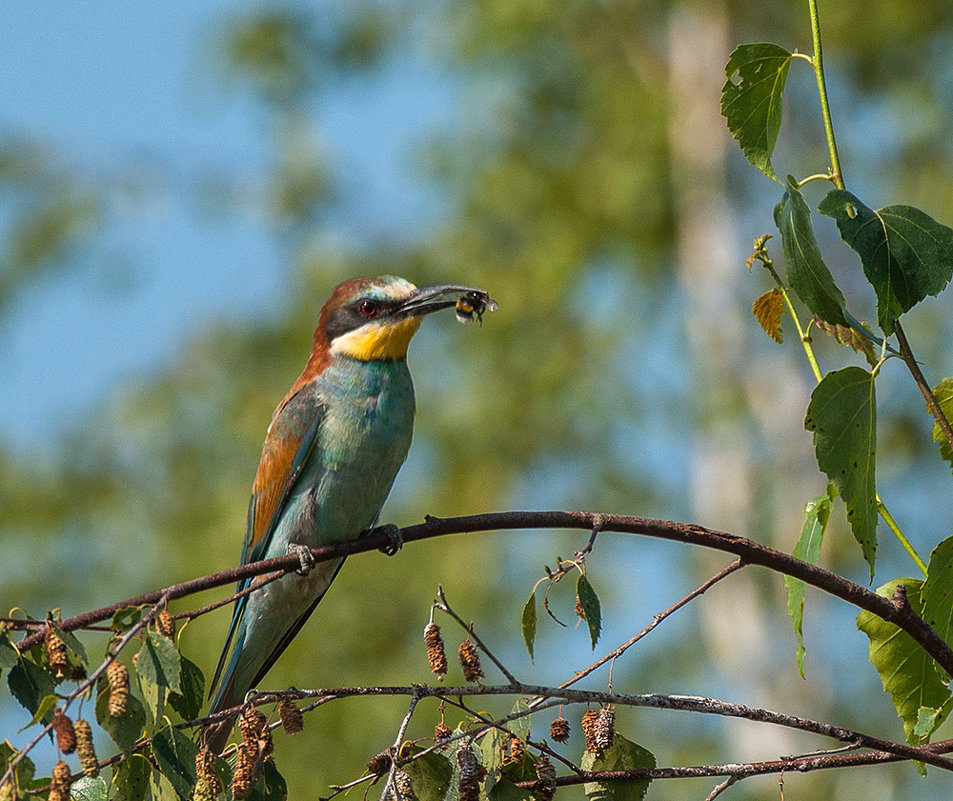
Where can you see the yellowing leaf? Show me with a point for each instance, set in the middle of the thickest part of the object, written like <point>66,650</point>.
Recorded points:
<point>768,309</point>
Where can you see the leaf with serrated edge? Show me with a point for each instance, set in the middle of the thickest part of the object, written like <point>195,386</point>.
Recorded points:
<point>808,275</point>
<point>751,99</point>
<point>621,755</point>
<point>175,756</point>
<point>906,671</point>
<point>188,703</point>
<point>528,623</point>
<point>589,602</point>
<point>850,337</point>
<point>938,590</point>
<point>158,662</point>
<point>88,788</point>
<point>906,254</point>
<point>130,777</point>
<point>767,309</point>
<point>125,730</point>
<point>808,548</point>
<point>843,416</point>
<point>944,395</point>
<point>30,684</point>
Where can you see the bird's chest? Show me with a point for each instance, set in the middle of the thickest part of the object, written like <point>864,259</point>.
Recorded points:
<point>364,439</point>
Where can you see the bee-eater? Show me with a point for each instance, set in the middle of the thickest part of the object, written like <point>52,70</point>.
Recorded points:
<point>331,454</point>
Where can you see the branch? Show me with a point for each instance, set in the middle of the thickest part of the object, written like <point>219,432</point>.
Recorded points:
<point>749,551</point>
<point>933,404</point>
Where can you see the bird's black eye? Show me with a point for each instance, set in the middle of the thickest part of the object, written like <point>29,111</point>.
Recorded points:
<point>368,308</point>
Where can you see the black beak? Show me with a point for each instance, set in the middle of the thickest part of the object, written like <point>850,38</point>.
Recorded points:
<point>429,299</point>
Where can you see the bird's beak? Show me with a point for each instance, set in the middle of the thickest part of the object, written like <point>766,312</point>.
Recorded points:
<point>429,299</point>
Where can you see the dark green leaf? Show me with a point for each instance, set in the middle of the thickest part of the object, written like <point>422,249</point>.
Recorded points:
<point>938,590</point>
<point>528,623</point>
<point>125,730</point>
<point>751,99</point>
<point>906,671</point>
<point>430,776</point>
<point>906,254</point>
<point>87,788</point>
<point>175,756</point>
<point>8,651</point>
<point>30,684</point>
<point>589,602</point>
<point>808,548</point>
<point>189,702</point>
<point>843,416</point>
<point>807,273</point>
<point>944,395</point>
<point>131,778</point>
<point>158,661</point>
<point>270,786</point>
<point>505,790</point>
<point>621,755</point>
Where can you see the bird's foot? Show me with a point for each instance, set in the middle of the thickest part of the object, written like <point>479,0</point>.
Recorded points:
<point>396,541</point>
<point>305,558</point>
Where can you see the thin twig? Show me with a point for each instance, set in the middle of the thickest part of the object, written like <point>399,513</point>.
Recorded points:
<point>906,353</point>
<point>395,748</point>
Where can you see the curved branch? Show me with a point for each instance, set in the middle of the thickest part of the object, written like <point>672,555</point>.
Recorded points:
<point>750,552</point>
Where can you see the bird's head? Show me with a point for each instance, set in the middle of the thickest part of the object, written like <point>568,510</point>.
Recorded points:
<point>375,318</point>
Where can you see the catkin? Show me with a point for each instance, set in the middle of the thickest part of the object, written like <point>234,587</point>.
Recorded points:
<point>470,773</point>
<point>441,732</point>
<point>604,733</point>
<point>165,624</point>
<point>85,749</point>
<point>59,786</point>
<point>56,651</point>
<point>546,776</point>
<point>470,661</point>
<point>65,734</point>
<point>380,764</point>
<point>117,675</point>
<point>208,786</point>
<point>559,729</point>
<point>242,778</point>
<point>588,726</point>
<point>290,716</point>
<point>435,651</point>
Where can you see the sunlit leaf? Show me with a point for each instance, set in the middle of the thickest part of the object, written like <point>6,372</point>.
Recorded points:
<point>125,730</point>
<point>23,771</point>
<point>906,671</point>
<point>767,309</point>
<point>621,755</point>
<point>45,707</point>
<point>944,395</point>
<point>843,416</point>
<point>906,254</point>
<point>528,623</point>
<point>816,514</point>
<point>751,99</point>
<point>938,590</point>
<point>88,788</point>
<point>130,778</point>
<point>851,337</point>
<point>807,273</point>
<point>158,661</point>
<point>125,618</point>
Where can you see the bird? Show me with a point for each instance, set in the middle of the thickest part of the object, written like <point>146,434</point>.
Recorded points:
<point>331,454</point>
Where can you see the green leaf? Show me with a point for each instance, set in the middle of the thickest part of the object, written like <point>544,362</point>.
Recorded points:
<point>158,662</point>
<point>843,416</point>
<point>46,705</point>
<point>430,776</point>
<point>807,273</point>
<point>505,790</point>
<point>270,786</point>
<point>23,772</point>
<point>8,651</point>
<point>125,730</point>
<point>938,590</point>
<point>621,755</point>
<point>751,99</point>
<point>188,703</point>
<point>130,778</point>
<point>87,788</point>
<point>589,602</point>
<point>519,728</point>
<point>73,644</point>
<point>30,684</point>
<point>906,671</point>
<point>906,254</point>
<point>126,618</point>
<point>175,755</point>
<point>944,395</point>
<point>816,514</point>
<point>528,622</point>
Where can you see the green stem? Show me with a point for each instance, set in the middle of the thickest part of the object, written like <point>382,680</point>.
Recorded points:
<point>818,62</point>
<point>802,334</point>
<point>907,546</point>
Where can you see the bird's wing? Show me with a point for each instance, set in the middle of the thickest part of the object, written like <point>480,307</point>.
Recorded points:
<point>288,447</point>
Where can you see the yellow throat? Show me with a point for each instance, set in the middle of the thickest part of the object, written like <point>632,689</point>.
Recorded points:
<point>377,341</point>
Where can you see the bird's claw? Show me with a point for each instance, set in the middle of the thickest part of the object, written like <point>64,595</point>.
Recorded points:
<point>305,558</point>
<point>396,541</point>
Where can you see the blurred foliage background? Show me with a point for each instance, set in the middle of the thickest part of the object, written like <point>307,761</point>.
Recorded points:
<point>570,158</point>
